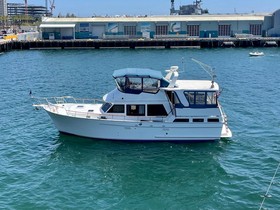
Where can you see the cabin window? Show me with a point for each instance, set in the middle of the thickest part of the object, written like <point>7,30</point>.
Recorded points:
<point>106,106</point>
<point>182,120</point>
<point>213,120</point>
<point>135,110</point>
<point>211,98</point>
<point>202,99</point>
<point>156,110</point>
<point>116,109</point>
<point>190,97</point>
<point>198,120</point>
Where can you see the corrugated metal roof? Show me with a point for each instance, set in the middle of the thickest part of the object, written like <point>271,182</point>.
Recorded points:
<point>194,18</point>
<point>57,25</point>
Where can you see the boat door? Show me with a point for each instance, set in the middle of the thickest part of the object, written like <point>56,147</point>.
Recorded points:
<point>173,100</point>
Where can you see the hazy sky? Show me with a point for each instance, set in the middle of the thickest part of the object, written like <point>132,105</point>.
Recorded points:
<point>87,8</point>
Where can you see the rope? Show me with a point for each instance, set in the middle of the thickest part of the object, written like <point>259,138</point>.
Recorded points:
<point>266,194</point>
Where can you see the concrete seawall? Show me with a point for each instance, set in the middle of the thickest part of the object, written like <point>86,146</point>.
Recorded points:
<point>141,43</point>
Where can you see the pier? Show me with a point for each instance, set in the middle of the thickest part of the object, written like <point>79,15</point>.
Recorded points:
<point>141,43</point>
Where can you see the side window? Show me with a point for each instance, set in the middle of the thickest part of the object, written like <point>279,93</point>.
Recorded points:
<point>211,98</point>
<point>200,98</point>
<point>135,110</point>
<point>106,106</point>
<point>156,110</point>
<point>190,97</point>
<point>116,109</point>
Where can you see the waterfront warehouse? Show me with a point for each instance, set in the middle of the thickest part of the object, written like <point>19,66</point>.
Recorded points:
<point>156,27</point>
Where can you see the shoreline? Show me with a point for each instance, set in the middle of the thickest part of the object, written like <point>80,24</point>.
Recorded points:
<point>141,43</point>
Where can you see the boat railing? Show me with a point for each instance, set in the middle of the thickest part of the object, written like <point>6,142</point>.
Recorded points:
<point>223,114</point>
<point>64,100</point>
<point>54,104</point>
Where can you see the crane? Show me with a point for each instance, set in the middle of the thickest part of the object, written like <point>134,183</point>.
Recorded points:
<point>26,10</point>
<point>52,7</point>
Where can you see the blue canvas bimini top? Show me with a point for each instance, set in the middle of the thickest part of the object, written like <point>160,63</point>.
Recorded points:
<point>135,72</point>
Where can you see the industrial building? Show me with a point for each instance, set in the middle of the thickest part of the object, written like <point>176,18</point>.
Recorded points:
<point>173,26</point>
<point>17,9</point>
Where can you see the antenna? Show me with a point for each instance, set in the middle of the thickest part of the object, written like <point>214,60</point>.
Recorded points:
<point>209,70</point>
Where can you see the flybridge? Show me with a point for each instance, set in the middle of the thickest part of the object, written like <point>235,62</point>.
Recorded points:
<point>135,81</point>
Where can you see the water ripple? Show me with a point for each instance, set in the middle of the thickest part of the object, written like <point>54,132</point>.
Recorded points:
<point>42,169</point>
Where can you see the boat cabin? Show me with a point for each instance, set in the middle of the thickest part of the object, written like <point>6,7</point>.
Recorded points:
<point>179,97</point>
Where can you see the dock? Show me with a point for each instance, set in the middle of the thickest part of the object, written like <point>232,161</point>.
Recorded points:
<point>141,43</point>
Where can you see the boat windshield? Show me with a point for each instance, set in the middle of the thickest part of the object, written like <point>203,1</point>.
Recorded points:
<point>137,85</point>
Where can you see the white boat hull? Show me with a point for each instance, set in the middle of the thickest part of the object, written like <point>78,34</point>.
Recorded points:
<point>136,130</point>
<point>256,54</point>
<point>144,106</point>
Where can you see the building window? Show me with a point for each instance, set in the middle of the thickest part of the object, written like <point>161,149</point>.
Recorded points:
<point>84,27</point>
<point>193,30</point>
<point>130,30</point>
<point>256,29</point>
<point>135,110</point>
<point>162,30</point>
<point>224,30</point>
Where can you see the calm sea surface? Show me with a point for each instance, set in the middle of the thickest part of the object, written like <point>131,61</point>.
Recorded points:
<point>43,169</point>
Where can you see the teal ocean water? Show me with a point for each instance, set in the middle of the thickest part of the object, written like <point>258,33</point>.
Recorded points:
<point>43,169</point>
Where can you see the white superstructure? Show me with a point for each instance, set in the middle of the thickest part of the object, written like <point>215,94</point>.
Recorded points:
<point>145,106</point>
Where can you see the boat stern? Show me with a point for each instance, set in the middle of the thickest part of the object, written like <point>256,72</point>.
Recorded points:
<point>226,132</point>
